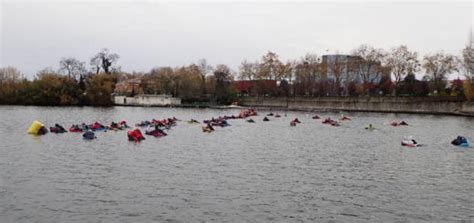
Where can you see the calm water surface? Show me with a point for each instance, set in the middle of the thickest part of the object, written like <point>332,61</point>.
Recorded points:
<point>261,172</point>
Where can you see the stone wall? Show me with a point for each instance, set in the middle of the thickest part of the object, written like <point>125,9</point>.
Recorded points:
<point>147,100</point>
<point>429,105</point>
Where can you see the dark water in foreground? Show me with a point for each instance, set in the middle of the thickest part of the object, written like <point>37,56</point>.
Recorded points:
<point>243,173</point>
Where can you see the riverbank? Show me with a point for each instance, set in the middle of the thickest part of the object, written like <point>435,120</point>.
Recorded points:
<point>414,105</point>
<point>410,105</point>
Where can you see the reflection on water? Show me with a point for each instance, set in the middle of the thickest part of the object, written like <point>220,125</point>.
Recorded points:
<point>266,171</point>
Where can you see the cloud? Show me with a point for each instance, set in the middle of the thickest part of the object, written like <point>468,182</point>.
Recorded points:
<point>159,33</point>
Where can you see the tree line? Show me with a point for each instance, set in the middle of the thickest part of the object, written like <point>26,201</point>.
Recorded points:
<point>72,84</point>
<point>365,71</point>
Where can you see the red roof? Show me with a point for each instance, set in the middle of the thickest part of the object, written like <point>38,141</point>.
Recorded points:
<point>129,86</point>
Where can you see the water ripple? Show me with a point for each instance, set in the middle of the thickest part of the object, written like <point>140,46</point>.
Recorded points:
<point>262,172</point>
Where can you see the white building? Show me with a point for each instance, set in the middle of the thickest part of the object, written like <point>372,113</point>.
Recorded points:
<point>147,100</point>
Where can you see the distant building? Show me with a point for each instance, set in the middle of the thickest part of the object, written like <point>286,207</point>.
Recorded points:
<point>130,92</point>
<point>346,66</point>
<point>341,64</point>
<point>147,100</point>
<point>130,87</point>
<point>348,69</point>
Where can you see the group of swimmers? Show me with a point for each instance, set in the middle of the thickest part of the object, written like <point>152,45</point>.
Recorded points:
<point>97,126</point>
<point>88,130</point>
<point>266,119</point>
<point>221,121</point>
<point>295,121</point>
<point>407,141</point>
<point>153,128</point>
<point>156,127</point>
<point>37,128</point>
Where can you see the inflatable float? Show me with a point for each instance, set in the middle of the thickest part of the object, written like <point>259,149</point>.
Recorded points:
<point>89,135</point>
<point>460,141</point>
<point>135,135</point>
<point>410,142</point>
<point>37,128</point>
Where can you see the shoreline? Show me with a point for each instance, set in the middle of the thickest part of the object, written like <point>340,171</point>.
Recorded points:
<point>281,108</point>
<point>266,108</point>
<point>408,105</point>
<point>277,108</point>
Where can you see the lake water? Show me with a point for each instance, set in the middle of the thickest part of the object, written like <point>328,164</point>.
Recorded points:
<point>260,172</point>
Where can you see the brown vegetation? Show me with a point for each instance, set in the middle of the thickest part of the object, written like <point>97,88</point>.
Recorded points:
<point>367,71</point>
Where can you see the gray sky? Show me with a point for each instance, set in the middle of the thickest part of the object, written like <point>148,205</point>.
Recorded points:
<point>147,34</point>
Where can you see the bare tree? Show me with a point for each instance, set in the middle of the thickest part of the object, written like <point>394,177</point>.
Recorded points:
<point>369,64</point>
<point>10,74</point>
<point>161,79</point>
<point>104,60</point>
<point>402,62</point>
<point>302,78</point>
<point>204,70</point>
<point>248,70</point>
<point>284,71</point>
<point>46,72</point>
<point>467,61</point>
<point>337,68</point>
<point>309,73</point>
<point>313,61</point>
<point>285,75</point>
<point>224,71</point>
<point>268,66</point>
<point>439,65</point>
<point>223,76</point>
<point>72,67</point>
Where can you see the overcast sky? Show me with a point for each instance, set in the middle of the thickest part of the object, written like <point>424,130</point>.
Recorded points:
<point>147,34</point>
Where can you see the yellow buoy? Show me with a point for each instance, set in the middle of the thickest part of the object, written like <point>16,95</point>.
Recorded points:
<point>35,127</point>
